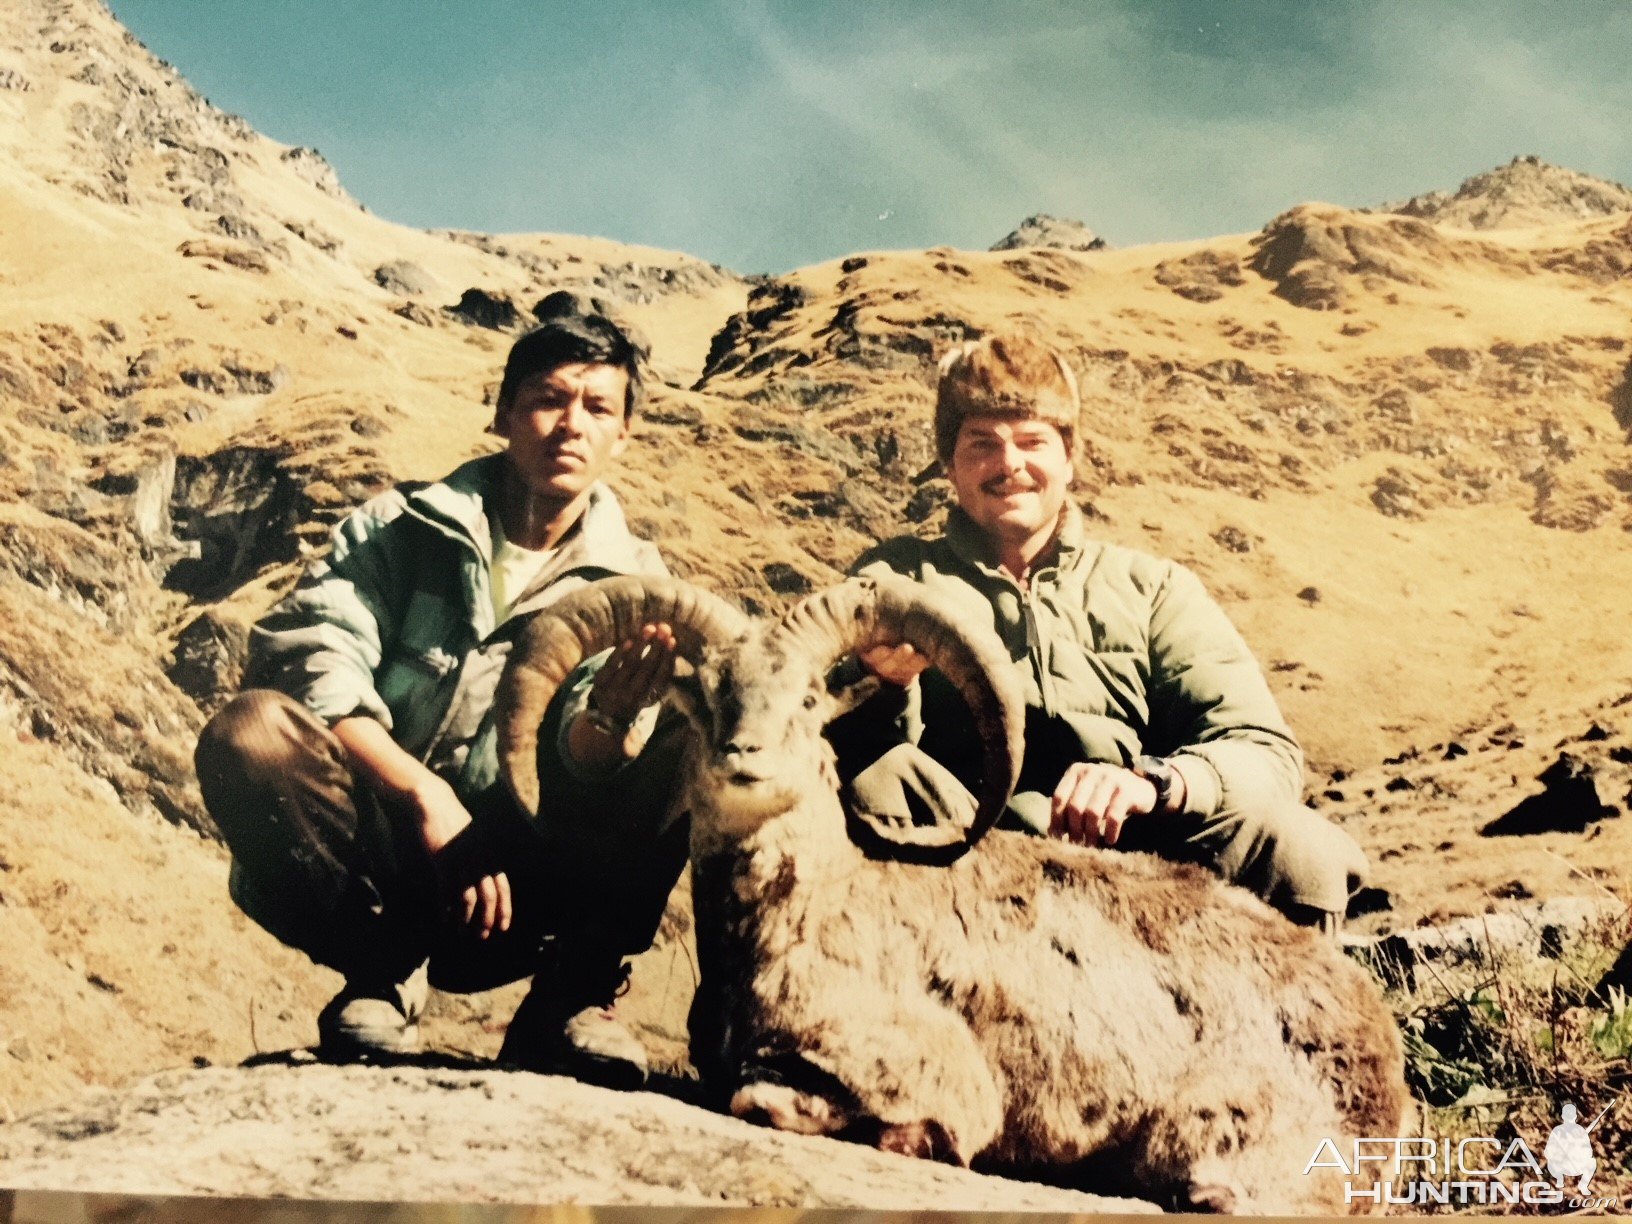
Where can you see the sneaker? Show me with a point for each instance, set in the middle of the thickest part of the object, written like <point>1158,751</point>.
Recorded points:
<point>568,1025</point>
<point>368,1019</point>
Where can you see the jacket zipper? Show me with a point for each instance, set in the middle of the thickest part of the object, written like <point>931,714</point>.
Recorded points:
<point>1034,647</point>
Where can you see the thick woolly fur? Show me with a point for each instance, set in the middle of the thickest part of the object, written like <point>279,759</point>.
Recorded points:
<point>1090,1017</point>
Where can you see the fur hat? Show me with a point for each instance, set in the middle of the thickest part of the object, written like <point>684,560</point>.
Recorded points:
<point>1010,374</point>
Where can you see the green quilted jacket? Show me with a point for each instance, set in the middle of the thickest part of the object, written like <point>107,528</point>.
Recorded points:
<point>1120,654</point>
<point>396,622</point>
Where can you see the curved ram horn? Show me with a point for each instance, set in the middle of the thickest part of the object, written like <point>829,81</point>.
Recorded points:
<point>886,611</point>
<point>576,626</point>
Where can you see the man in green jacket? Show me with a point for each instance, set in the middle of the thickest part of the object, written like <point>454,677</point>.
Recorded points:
<point>356,780</point>
<point>1148,724</point>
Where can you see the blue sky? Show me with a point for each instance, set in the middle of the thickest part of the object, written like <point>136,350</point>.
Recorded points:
<point>766,135</point>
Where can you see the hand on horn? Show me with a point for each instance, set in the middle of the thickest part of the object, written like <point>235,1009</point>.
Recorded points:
<point>636,675</point>
<point>896,664</point>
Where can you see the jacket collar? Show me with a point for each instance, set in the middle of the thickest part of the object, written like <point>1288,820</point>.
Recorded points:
<point>458,505</point>
<point>974,547</point>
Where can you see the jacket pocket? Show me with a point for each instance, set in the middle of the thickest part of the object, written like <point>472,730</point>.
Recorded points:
<point>1101,682</point>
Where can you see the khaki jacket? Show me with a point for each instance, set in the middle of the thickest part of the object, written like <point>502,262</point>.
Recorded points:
<point>1119,653</point>
<point>397,621</point>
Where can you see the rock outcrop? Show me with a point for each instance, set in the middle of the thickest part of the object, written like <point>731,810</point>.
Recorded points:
<point>1526,191</point>
<point>1042,230</point>
<point>455,1133</point>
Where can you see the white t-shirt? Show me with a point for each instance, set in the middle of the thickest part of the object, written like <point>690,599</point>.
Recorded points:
<point>514,567</point>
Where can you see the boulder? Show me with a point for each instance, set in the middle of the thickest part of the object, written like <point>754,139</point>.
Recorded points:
<point>291,1128</point>
<point>403,278</point>
<point>480,308</point>
<point>208,659</point>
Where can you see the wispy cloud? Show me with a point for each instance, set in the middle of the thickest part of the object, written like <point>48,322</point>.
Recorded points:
<point>768,133</point>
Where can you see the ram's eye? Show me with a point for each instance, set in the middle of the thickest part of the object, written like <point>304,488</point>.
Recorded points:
<point>810,701</point>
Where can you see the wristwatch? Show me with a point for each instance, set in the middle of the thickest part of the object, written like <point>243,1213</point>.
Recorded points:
<point>1159,773</point>
<point>612,728</point>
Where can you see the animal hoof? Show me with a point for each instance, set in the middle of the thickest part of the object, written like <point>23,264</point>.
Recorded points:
<point>926,1140</point>
<point>1209,1200</point>
<point>782,1107</point>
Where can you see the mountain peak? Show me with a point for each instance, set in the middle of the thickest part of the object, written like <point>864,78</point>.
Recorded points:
<point>1526,191</point>
<point>1042,230</point>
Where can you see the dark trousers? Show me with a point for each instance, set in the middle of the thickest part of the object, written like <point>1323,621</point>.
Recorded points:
<point>323,864</point>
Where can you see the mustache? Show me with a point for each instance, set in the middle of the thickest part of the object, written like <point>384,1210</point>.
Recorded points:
<point>1003,484</point>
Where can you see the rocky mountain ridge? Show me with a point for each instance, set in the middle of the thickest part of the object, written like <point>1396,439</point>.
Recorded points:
<point>1526,191</point>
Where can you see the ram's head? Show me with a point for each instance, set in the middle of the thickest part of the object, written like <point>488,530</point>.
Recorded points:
<point>756,692</point>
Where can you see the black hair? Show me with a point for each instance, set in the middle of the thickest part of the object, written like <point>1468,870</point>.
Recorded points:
<point>574,327</point>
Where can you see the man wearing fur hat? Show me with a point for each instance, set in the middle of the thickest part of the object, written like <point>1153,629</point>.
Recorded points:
<point>356,780</point>
<point>1149,725</point>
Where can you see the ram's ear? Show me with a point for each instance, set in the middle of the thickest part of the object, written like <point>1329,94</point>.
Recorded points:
<point>848,696</point>
<point>849,683</point>
<point>686,695</point>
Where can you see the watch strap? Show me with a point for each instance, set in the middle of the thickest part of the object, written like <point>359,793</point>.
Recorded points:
<point>605,723</point>
<point>1158,771</point>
